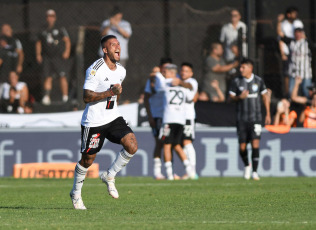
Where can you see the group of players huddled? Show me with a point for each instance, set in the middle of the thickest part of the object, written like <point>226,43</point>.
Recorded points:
<point>169,101</point>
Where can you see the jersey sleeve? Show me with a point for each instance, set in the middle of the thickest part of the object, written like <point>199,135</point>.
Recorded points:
<point>191,93</point>
<point>64,32</point>
<point>128,28</point>
<point>160,84</point>
<point>104,24</point>
<point>210,63</point>
<point>91,81</point>
<point>195,86</point>
<point>222,35</point>
<point>18,44</point>
<point>39,36</point>
<point>147,87</point>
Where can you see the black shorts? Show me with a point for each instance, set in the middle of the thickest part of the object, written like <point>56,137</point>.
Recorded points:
<point>156,129</point>
<point>171,134</point>
<point>248,131</point>
<point>92,138</point>
<point>54,66</point>
<point>188,130</point>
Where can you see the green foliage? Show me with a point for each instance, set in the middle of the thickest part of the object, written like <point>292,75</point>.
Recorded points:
<point>207,203</point>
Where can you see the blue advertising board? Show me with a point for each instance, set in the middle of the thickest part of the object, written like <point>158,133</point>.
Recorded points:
<point>281,155</point>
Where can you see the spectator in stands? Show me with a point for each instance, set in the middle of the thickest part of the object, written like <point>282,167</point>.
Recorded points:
<point>300,61</point>
<point>302,99</point>
<point>120,28</point>
<point>216,69</point>
<point>283,115</point>
<point>6,62</point>
<point>14,94</point>
<point>285,29</point>
<point>308,117</point>
<point>234,32</point>
<point>15,47</point>
<point>52,51</point>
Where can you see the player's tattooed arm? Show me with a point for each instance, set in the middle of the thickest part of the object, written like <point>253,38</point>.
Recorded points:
<point>91,96</point>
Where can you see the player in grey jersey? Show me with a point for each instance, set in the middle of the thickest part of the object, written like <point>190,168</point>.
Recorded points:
<point>247,91</point>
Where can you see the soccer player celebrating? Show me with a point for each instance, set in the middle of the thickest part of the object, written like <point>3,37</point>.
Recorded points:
<point>101,119</point>
<point>173,120</point>
<point>186,74</point>
<point>247,91</point>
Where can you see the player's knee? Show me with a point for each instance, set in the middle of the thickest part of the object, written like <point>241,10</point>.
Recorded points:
<point>129,143</point>
<point>243,152</point>
<point>86,163</point>
<point>87,160</point>
<point>132,148</point>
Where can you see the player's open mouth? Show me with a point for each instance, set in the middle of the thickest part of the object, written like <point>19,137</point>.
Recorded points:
<point>117,53</point>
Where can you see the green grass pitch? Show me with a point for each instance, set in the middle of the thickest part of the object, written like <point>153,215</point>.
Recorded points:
<point>207,203</point>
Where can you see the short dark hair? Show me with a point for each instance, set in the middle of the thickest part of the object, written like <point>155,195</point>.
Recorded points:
<point>116,10</point>
<point>291,9</point>
<point>106,38</point>
<point>247,61</point>
<point>165,60</point>
<point>214,45</point>
<point>188,64</point>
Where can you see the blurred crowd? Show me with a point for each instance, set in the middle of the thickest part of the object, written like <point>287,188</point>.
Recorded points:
<point>53,47</point>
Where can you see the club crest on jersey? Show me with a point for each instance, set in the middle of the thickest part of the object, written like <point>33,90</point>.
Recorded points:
<point>55,32</point>
<point>94,141</point>
<point>93,72</point>
<point>255,87</point>
<point>241,88</point>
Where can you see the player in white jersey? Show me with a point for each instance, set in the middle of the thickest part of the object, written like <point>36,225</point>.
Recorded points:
<point>173,120</point>
<point>186,74</point>
<point>101,119</point>
<point>153,101</point>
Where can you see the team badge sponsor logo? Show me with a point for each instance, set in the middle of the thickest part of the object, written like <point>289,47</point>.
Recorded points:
<point>55,32</point>
<point>257,129</point>
<point>166,130</point>
<point>241,88</point>
<point>93,72</point>
<point>94,141</point>
<point>255,87</point>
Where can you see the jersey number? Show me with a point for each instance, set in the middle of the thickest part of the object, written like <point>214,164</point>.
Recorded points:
<point>177,98</point>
